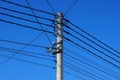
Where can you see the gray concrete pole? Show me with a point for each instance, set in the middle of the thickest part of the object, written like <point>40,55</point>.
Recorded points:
<point>59,55</point>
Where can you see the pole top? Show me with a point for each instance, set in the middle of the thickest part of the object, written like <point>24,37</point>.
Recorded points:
<point>59,14</point>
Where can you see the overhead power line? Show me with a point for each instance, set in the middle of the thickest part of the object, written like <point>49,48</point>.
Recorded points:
<point>22,60</point>
<point>25,19</point>
<point>71,7</point>
<point>73,67</point>
<point>89,51</point>
<point>26,45</point>
<point>92,63</point>
<point>25,26</point>
<point>80,71</point>
<point>69,73</point>
<point>26,7</point>
<point>21,53</point>
<point>86,68</point>
<point>51,6</point>
<point>88,64</point>
<point>27,1</point>
<point>20,50</point>
<point>74,75</point>
<point>92,41</point>
<point>91,46</point>
<point>92,36</point>
<point>16,50</point>
<point>4,8</point>
<point>22,43</point>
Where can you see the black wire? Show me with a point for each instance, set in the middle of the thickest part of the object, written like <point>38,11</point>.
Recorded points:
<point>89,51</point>
<point>69,73</point>
<point>77,59</point>
<point>91,46</point>
<point>93,37</point>
<point>81,71</point>
<point>86,68</point>
<point>24,13</point>
<point>101,67</point>
<point>21,53</point>
<point>25,26</point>
<point>47,66</point>
<point>23,48</point>
<point>51,6</point>
<point>71,7</point>
<point>30,42</point>
<point>38,21</point>
<point>25,19</point>
<point>26,44</point>
<point>92,41</point>
<point>16,50</point>
<point>27,7</point>
<point>23,43</point>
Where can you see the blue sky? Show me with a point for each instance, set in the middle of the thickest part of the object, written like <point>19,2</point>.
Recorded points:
<point>100,18</point>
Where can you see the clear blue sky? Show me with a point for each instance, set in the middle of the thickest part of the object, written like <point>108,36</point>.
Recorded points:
<point>100,18</point>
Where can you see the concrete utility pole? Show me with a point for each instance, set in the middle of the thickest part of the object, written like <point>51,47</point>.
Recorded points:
<point>59,64</point>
